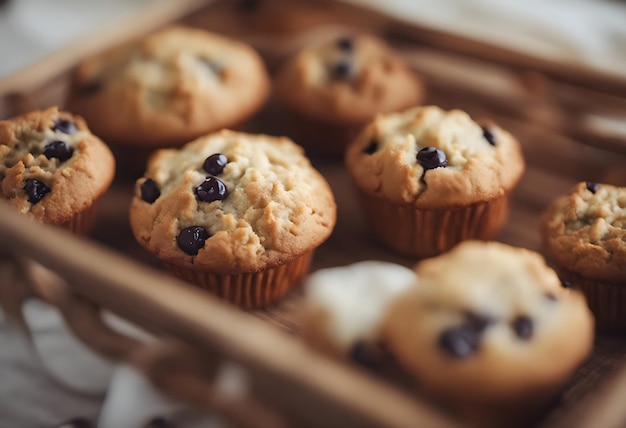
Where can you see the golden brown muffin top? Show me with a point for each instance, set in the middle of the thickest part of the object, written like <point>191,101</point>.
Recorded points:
<point>347,80</point>
<point>257,201</point>
<point>51,166</point>
<point>489,323</point>
<point>434,159</point>
<point>585,232</point>
<point>169,87</point>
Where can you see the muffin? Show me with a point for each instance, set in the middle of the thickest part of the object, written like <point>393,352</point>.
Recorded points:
<point>429,178</point>
<point>53,169</point>
<point>334,89</point>
<point>237,214</point>
<point>490,331</point>
<point>169,87</point>
<point>346,305</point>
<point>584,235</point>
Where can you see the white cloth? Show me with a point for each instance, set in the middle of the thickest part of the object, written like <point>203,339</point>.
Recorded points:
<point>591,33</point>
<point>56,378</point>
<point>32,29</point>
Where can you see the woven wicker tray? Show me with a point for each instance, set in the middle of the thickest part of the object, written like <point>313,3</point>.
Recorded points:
<point>560,113</point>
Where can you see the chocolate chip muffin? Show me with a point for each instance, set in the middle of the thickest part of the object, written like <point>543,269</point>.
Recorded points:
<point>234,213</point>
<point>169,87</point>
<point>345,307</point>
<point>53,169</point>
<point>584,234</point>
<point>429,178</point>
<point>490,330</point>
<point>334,89</point>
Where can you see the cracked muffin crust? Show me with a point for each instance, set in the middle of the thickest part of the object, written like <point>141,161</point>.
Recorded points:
<point>341,85</point>
<point>400,157</point>
<point>490,325</point>
<point>584,234</point>
<point>429,178</point>
<point>169,87</point>
<point>231,204</point>
<point>52,168</point>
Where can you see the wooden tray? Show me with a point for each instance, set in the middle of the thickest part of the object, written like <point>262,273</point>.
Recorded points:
<point>565,117</point>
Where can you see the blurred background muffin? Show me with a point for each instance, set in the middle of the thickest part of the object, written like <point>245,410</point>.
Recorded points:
<point>169,88</point>
<point>331,90</point>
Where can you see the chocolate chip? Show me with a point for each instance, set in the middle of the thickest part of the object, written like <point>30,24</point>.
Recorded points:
<point>191,239</point>
<point>76,423</point>
<point>149,191</point>
<point>159,423</point>
<point>59,150</point>
<point>65,126</point>
<point>489,136</point>
<point>460,342</point>
<point>92,87</point>
<point>362,354</point>
<point>35,190</point>
<point>343,69</point>
<point>592,187</point>
<point>431,158</point>
<point>215,164</point>
<point>477,321</point>
<point>345,44</point>
<point>523,327</point>
<point>212,189</point>
<point>371,147</point>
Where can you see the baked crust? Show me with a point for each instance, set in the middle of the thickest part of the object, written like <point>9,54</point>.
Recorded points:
<point>477,171</point>
<point>74,183</point>
<point>381,82</point>
<point>278,206</point>
<point>585,232</point>
<point>169,87</point>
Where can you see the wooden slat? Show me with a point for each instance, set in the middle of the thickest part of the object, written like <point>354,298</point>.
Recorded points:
<point>604,408</point>
<point>280,364</point>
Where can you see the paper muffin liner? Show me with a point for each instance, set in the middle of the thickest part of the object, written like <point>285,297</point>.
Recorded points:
<point>248,290</point>
<point>606,301</point>
<point>425,233</point>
